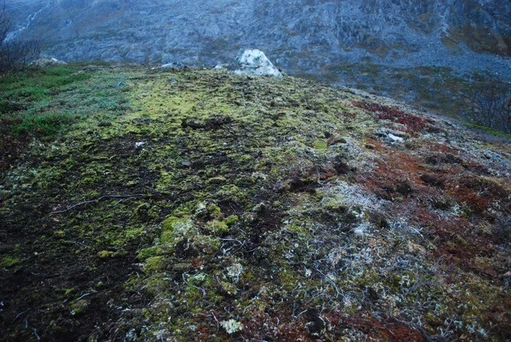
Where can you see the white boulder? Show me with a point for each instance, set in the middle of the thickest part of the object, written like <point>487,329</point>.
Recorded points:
<point>254,62</point>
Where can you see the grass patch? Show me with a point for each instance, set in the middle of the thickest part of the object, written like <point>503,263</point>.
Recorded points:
<point>26,104</point>
<point>46,125</point>
<point>45,103</point>
<point>488,130</point>
<point>38,84</point>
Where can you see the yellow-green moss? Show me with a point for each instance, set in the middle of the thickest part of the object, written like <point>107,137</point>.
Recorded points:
<point>217,227</point>
<point>105,254</point>
<point>215,212</point>
<point>9,261</point>
<point>154,263</point>
<point>230,220</point>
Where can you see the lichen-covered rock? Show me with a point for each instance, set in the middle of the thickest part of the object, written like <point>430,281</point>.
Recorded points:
<point>47,61</point>
<point>254,62</point>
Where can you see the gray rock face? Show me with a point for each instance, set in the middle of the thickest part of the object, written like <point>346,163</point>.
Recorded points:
<point>367,44</point>
<point>254,62</point>
<point>298,35</point>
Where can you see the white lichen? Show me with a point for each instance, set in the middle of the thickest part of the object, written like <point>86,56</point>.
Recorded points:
<point>235,271</point>
<point>231,326</point>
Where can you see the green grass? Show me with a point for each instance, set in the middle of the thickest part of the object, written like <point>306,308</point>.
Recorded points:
<point>26,101</point>
<point>488,130</point>
<point>47,125</point>
<point>39,84</point>
<point>46,102</point>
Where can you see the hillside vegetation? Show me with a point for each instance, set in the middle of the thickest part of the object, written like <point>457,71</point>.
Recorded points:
<point>196,205</point>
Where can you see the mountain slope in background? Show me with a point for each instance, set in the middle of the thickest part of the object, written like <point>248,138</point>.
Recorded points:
<point>301,36</point>
<point>435,54</point>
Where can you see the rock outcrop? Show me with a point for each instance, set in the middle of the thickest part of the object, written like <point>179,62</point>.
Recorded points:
<point>254,62</point>
<point>47,61</point>
<point>302,35</point>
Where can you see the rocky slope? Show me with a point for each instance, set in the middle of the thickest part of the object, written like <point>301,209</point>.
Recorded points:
<point>300,35</point>
<point>200,205</point>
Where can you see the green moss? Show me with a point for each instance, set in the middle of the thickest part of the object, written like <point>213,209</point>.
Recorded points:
<point>228,288</point>
<point>215,212</point>
<point>288,279</point>
<point>217,180</point>
<point>134,233</point>
<point>69,291</point>
<point>145,253</point>
<point>233,193</point>
<point>176,224</point>
<point>9,261</point>
<point>299,229</point>
<point>217,227</point>
<point>154,263</point>
<point>105,254</point>
<point>230,220</point>
<point>79,306</point>
<point>174,229</point>
<point>320,145</point>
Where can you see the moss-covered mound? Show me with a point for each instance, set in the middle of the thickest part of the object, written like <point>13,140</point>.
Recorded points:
<point>195,205</point>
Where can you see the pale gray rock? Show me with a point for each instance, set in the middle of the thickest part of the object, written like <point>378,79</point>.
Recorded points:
<point>46,61</point>
<point>254,62</point>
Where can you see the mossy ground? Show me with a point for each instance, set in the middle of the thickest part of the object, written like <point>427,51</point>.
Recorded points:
<point>198,205</point>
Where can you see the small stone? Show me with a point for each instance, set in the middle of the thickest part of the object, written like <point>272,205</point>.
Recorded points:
<point>186,163</point>
<point>394,138</point>
<point>335,139</point>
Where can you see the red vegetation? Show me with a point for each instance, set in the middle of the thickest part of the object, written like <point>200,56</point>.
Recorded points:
<point>481,195</point>
<point>377,327</point>
<point>412,123</point>
<point>396,175</point>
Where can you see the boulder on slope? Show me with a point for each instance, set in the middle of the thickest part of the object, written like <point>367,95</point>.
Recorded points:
<point>254,62</point>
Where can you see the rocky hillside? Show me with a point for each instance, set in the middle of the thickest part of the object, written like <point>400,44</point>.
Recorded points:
<point>302,36</point>
<point>182,205</point>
